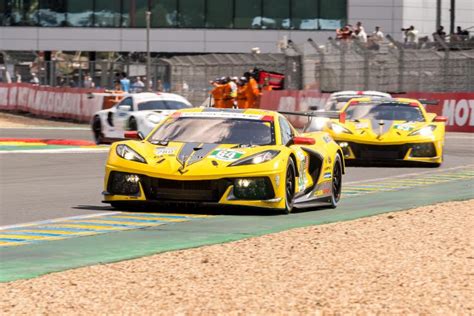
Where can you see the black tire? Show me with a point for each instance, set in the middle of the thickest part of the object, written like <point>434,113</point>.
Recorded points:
<point>132,124</point>
<point>290,186</point>
<point>336,184</point>
<point>97,130</point>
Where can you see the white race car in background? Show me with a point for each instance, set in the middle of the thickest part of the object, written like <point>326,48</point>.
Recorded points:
<point>336,102</point>
<point>135,112</point>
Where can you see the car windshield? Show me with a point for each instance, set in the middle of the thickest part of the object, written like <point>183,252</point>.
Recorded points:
<point>384,111</point>
<point>215,130</point>
<point>337,103</point>
<point>162,105</point>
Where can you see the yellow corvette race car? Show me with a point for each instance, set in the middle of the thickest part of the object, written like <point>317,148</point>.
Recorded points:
<point>202,156</point>
<point>392,129</point>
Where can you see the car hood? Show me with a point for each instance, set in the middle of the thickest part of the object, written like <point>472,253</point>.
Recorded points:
<point>193,158</point>
<point>381,129</point>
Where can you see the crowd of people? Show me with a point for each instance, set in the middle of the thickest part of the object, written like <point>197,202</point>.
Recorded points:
<point>235,92</point>
<point>410,35</point>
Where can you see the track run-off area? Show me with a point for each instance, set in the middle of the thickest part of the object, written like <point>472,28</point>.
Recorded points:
<point>52,217</point>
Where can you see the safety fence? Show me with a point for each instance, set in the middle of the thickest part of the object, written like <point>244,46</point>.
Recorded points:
<point>389,66</point>
<point>188,75</point>
<point>458,107</point>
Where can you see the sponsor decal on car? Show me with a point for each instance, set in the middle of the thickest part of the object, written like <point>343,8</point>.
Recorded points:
<point>327,175</point>
<point>404,127</point>
<point>226,154</point>
<point>161,151</point>
<point>327,138</point>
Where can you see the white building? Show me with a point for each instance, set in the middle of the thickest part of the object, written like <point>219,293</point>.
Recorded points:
<point>199,26</point>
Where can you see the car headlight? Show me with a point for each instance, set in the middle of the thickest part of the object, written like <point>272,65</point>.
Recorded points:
<point>425,131</point>
<point>256,159</point>
<point>154,118</point>
<point>339,129</point>
<point>129,154</point>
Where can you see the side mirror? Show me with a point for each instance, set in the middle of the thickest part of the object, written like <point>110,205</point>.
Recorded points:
<point>124,108</point>
<point>342,117</point>
<point>440,119</point>
<point>133,135</point>
<point>299,140</point>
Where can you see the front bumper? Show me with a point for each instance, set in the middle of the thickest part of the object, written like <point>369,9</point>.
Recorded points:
<point>429,152</point>
<point>246,190</point>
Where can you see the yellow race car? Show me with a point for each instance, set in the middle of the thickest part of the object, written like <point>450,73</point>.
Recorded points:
<point>251,158</point>
<point>391,129</point>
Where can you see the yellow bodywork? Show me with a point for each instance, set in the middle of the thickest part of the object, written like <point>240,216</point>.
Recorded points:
<point>166,166</point>
<point>361,132</point>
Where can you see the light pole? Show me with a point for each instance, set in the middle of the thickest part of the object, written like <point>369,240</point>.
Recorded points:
<point>148,59</point>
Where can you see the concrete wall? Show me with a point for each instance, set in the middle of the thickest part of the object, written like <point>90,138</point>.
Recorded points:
<point>161,40</point>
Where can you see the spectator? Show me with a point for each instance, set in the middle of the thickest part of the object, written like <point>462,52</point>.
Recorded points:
<point>88,82</point>
<point>344,33</point>
<point>439,32</point>
<point>17,77</point>
<point>34,79</point>
<point>411,36</point>
<point>461,34</point>
<point>117,85</point>
<point>124,83</point>
<point>138,85</point>
<point>360,35</point>
<point>159,86</point>
<point>377,35</point>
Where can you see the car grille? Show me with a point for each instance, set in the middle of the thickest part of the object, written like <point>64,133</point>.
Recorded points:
<point>378,152</point>
<point>183,190</point>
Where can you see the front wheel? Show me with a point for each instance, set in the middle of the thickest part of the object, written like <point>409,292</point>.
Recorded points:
<point>132,124</point>
<point>336,185</point>
<point>290,183</point>
<point>97,130</point>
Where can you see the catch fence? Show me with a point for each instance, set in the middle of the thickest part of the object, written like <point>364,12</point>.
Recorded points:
<point>391,67</point>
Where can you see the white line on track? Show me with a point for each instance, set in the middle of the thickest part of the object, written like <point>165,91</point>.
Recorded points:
<point>65,128</point>
<point>409,174</point>
<point>59,219</point>
<point>55,151</point>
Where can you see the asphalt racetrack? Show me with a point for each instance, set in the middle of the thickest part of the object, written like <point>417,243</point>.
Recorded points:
<point>42,186</point>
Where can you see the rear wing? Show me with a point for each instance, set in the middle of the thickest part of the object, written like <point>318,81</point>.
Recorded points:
<point>428,102</point>
<point>341,116</point>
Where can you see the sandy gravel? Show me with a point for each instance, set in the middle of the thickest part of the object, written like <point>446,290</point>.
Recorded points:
<point>16,120</point>
<point>413,262</point>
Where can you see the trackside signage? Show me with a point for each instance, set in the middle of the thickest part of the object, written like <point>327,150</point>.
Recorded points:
<point>458,107</point>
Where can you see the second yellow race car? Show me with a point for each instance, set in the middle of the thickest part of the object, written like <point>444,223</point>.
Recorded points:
<point>391,129</point>
<point>250,158</point>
